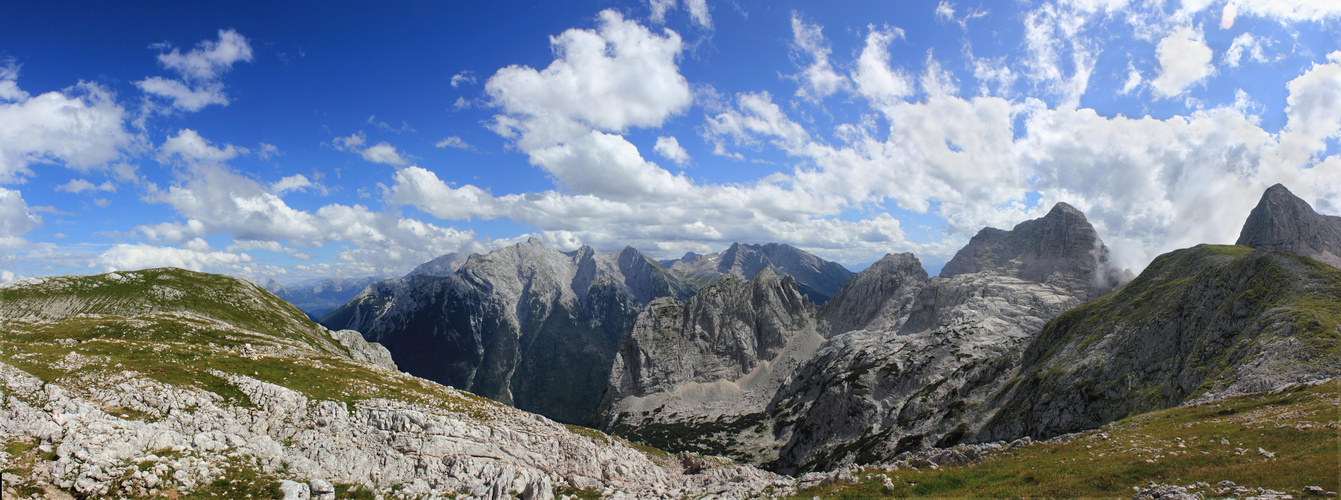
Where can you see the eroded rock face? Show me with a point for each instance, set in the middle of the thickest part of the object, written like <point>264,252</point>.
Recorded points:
<point>716,357</point>
<point>1283,222</point>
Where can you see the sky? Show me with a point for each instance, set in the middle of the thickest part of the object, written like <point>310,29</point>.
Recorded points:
<point>293,141</point>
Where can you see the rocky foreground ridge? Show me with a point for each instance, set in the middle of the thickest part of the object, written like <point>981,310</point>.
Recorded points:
<point>132,384</point>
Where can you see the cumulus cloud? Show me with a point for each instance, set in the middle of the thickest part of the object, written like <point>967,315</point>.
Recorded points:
<point>189,146</point>
<point>80,127</point>
<point>1050,33</point>
<point>131,257</point>
<point>670,149</point>
<point>1184,60</point>
<point>296,182</point>
<point>569,116</point>
<point>876,81</point>
<point>382,152</point>
<point>199,72</point>
<point>15,218</point>
<point>818,80</point>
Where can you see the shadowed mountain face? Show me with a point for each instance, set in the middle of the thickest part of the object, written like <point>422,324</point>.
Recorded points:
<point>1285,223</point>
<point>525,325</point>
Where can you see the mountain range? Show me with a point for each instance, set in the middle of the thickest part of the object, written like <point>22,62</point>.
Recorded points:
<point>138,383</point>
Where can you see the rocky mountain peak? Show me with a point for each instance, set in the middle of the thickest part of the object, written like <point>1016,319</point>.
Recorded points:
<point>879,297</point>
<point>1284,222</point>
<point>1060,248</point>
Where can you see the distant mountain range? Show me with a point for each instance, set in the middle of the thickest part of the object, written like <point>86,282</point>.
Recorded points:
<point>318,297</point>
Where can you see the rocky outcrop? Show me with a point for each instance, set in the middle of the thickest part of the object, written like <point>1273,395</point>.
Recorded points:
<point>367,352</point>
<point>1200,323</point>
<point>1283,222</point>
<point>717,357</point>
<point>817,278</point>
<point>524,325</point>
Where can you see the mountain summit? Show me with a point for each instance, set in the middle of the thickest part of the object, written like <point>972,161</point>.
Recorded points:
<point>1285,223</point>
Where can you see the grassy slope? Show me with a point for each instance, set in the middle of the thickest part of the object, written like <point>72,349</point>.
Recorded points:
<point>1300,426</point>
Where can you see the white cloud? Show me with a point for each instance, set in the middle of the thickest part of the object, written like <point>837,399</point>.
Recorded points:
<point>659,9</point>
<point>80,128</point>
<point>296,182</point>
<point>351,143</point>
<point>452,142</point>
<point>1246,44</point>
<point>698,11</point>
<point>1313,116</point>
<point>189,146</point>
<point>875,80</point>
<point>15,219</point>
<point>818,80</point>
<point>383,153</point>
<point>1287,11</point>
<point>463,78</point>
<point>1227,15</point>
<point>670,149</point>
<point>130,257</point>
<point>211,58</point>
<point>7,276</point>
<point>1049,33</point>
<point>945,11</point>
<point>386,127</point>
<point>200,71</point>
<point>77,186</point>
<point>1133,81</point>
<point>268,151</point>
<point>1184,60</point>
<point>183,96</point>
<point>618,76</point>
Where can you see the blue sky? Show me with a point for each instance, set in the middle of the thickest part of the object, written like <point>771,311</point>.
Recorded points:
<point>301,141</point>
